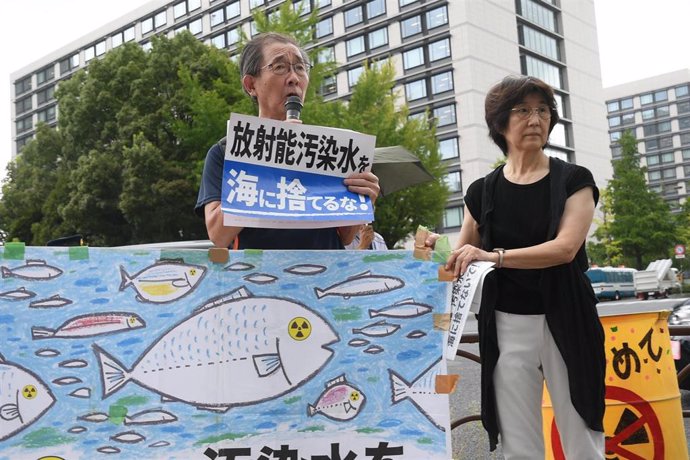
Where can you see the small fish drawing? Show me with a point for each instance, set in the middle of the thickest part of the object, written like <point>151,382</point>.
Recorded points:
<point>160,444</point>
<point>378,329</point>
<point>359,285</point>
<point>47,353</point>
<point>62,381</point>
<point>340,401</point>
<point>305,269</point>
<point>82,393</point>
<point>407,308</point>
<point>21,293</point>
<point>77,429</point>
<point>422,393</point>
<point>91,325</point>
<point>150,417</point>
<point>374,350</point>
<point>260,278</point>
<point>358,342</point>
<point>108,450</point>
<point>416,334</point>
<point>164,281</point>
<point>34,269</point>
<point>95,417</point>
<point>24,398</point>
<point>73,364</point>
<point>265,341</point>
<point>238,267</point>
<point>128,437</point>
<point>51,302</point>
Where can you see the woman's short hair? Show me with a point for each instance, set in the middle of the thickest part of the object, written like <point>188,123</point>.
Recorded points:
<point>505,95</point>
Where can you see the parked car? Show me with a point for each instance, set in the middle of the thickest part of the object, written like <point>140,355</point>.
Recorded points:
<point>681,317</point>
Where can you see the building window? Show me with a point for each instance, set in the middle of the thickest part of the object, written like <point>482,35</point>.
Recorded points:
<point>146,26</point>
<point>448,148</point>
<point>179,10</point>
<point>452,180</point>
<point>654,175</point>
<point>681,91</point>
<point>353,16</point>
<point>326,55</point>
<point>22,86</point>
<point>353,75</point>
<point>684,123</point>
<point>613,106</point>
<point>376,8</point>
<point>22,142</point>
<point>406,2</point>
<point>665,142</point>
<point>445,115</point>
<point>419,116</point>
<point>355,46</point>
<point>324,27</point>
<point>683,107</point>
<point>46,115</point>
<point>193,5</point>
<point>436,17</point>
<point>538,14</point>
<point>452,217</point>
<point>439,50</point>
<point>557,136</point>
<point>378,38</point>
<point>45,75</point>
<point>329,85</point>
<point>195,27</point>
<point>668,157</point>
<point>23,105</point>
<point>46,95</point>
<point>614,122</point>
<point>668,173</point>
<point>652,160</point>
<point>411,26</point>
<point>323,3</point>
<point>415,90</point>
<point>549,73</point>
<point>442,82</point>
<point>160,19</point>
<point>69,64</point>
<point>539,42</point>
<point>646,98</point>
<point>255,3</point>
<point>24,124</point>
<point>302,6</point>
<point>660,96</point>
<point>628,119</point>
<point>648,114</point>
<point>122,37</point>
<point>232,10</point>
<point>413,58</point>
<point>217,17</point>
<point>662,111</point>
<point>218,41</point>
<point>686,155</point>
<point>614,136</point>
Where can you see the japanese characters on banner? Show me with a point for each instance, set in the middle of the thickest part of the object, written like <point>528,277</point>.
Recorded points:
<point>294,354</point>
<point>643,418</point>
<point>464,297</point>
<point>290,175</point>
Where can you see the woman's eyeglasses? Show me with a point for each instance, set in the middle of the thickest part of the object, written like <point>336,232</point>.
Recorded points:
<point>524,112</point>
<point>282,68</point>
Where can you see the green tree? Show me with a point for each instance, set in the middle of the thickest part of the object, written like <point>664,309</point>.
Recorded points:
<point>641,223</point>
<point>605,251</point>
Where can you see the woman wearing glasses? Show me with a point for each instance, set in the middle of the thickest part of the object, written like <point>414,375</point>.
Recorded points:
<point>273,67</point>
<point>538,320</point>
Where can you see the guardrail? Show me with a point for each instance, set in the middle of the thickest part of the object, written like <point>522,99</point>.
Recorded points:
<point>474,338</point>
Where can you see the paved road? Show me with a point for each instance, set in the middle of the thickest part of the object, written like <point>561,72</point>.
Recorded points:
<point>470,440</point>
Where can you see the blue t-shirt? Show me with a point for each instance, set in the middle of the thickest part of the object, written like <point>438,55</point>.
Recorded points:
<point>259,238</point>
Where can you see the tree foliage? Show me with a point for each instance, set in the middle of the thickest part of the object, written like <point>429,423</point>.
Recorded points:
<point>639,227</point>
<point>124,164</point>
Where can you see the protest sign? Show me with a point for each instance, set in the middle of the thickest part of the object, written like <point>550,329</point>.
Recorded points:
<point>464,297</point>
<point>293,354</point>
<point>290,175</point>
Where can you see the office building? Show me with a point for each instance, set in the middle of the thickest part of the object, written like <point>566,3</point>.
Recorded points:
<point>657,111</point>
<point>446,54</point>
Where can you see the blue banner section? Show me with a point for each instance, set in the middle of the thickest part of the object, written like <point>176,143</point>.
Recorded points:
<point>281,354</point>
<point>265,192</point>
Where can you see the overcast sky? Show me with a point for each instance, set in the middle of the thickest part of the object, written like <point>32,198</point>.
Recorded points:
<point>637,39</point>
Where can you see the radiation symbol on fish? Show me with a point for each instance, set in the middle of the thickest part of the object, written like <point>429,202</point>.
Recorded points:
<point>132,320</point>
<point>300,328</point>
<point>29,392</point>
<point>354,396</point>
<point>192,271</point>
<point>637,431</point>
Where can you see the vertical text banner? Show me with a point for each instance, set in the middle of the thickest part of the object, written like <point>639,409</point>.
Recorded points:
<point>290,175</point>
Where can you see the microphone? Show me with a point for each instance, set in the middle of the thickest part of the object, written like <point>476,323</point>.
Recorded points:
<point>293,106</point>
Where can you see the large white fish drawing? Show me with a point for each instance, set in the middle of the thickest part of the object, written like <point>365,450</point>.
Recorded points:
<point>24,398</point>
<point>34,269</point>
<point>422,393</point>
<point>236,349</point>
<point>340,400</point>
<point>407,308</point>
<point>91,325</point>
<point>361,284</point>
<point>164,281</point>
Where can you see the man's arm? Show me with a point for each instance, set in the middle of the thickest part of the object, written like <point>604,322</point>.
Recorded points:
<point>220,235</point>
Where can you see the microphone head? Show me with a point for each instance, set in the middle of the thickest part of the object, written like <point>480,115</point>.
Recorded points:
<point>293,103</point>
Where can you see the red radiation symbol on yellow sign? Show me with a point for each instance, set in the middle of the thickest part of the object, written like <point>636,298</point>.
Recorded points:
<point>637,435</point>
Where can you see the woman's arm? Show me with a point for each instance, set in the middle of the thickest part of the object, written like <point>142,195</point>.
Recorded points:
<point>220,235</point>
<point>572,232</point>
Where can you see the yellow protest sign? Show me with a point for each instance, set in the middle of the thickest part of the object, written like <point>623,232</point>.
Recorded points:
<point>643,418</point>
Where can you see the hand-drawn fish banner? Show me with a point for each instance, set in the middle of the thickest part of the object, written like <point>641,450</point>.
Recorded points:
<point>138,353</point>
